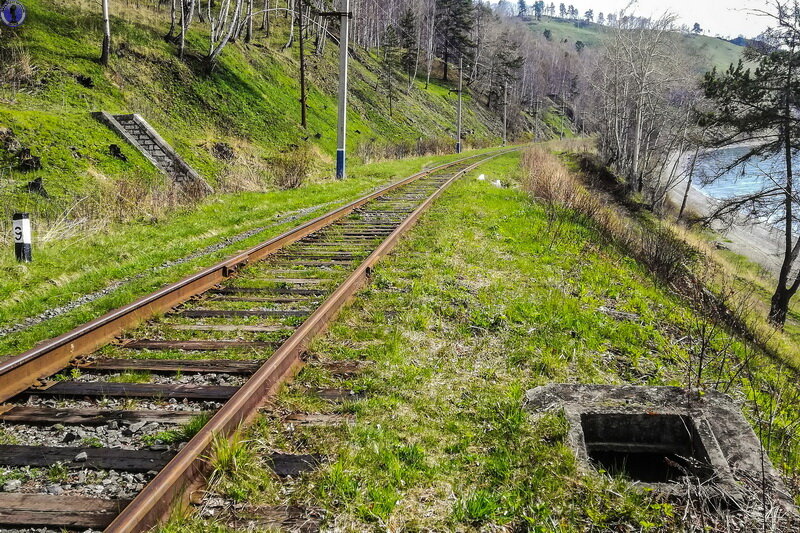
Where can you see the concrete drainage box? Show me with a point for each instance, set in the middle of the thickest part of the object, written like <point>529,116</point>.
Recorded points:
<point>664,438</point>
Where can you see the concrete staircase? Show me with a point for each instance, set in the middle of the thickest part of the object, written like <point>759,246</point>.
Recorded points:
<point>144,138</point>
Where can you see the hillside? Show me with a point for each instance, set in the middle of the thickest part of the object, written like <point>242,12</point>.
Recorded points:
<point>710,51</point>
<point>52,81</point>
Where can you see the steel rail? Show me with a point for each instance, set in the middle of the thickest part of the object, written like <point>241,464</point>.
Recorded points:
<point>173,485</point>
<point>24,370</point>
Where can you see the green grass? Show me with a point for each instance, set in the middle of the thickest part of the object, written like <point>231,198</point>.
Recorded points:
<point>487,297</point>
<point>131,376</point>
<point>751,278</point>
<point>591,34</point>
<point>709,51</point>
<point>179,434</point>
<point>248,101</point>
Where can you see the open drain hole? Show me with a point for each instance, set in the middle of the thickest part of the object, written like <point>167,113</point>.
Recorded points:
<point>649,448</point>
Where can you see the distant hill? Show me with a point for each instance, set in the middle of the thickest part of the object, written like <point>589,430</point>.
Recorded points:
<point>711,51</point>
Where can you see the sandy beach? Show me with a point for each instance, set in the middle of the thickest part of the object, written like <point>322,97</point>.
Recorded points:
<point>759,242</point>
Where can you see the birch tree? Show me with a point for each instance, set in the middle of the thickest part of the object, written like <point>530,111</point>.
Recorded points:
<point>106,51</point>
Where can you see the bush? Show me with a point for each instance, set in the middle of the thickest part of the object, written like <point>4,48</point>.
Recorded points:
<point>291,169</point>
<point>374,150</point>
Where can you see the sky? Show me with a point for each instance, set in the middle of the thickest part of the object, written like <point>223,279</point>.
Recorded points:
<point>717,17</point>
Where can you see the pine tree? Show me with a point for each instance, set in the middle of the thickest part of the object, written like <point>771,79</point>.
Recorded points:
<point>506,62</point>
<point>408,42</point>
<point>389,62</point>
<point>522,8</point>
<point>454,22</point>
<point>762,106</point>
<point>538,7</point>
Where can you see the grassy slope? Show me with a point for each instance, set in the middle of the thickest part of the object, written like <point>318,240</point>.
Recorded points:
<point>250,101</point>
<point>456,334</point>
<point>712,51</point>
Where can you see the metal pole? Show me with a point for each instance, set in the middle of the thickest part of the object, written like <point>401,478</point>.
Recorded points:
<point>302,65</point>
<point>505,111</point>
<point>460,81</point>
<point>341,132</point>
<point>21,228</point>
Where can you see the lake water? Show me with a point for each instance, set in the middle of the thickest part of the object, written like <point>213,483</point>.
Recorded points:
<point>745,179</point>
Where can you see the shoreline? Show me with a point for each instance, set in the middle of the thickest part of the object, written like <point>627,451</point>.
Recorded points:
<point>757,241</point>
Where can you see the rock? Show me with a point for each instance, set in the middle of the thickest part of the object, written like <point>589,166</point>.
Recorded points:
<point>159,447</point>
<point>27,161</point>
<point>223,151</point>
<point>86,81</point>
<point>134,428</point>
<point>497,183</point>
<point>113,424</point>
<point>81,457</point>
<point>482,177</point>
<point>37,187</point>
<point>116,151</point>
<point>215,502</point>
<point>69,437</point>
<point>12,485</point>
<point>54,489</point>
<point>8,141</point>
<point>58,427</point>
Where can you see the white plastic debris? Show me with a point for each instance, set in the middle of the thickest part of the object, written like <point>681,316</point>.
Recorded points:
<point>497,183</point>
<point>482,177</point>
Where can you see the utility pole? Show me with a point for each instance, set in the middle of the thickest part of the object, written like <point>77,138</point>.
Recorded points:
<point>341,130</point>
<point>302,64</point>
<point>505,111</point>
<point>460,82</point>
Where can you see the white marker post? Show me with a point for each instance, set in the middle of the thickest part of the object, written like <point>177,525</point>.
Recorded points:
<point>21,227</point>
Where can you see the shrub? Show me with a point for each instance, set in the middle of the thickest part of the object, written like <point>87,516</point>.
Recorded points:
<point>291,169</point>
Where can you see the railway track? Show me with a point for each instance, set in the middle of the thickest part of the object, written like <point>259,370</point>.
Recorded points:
<point>110,426</point>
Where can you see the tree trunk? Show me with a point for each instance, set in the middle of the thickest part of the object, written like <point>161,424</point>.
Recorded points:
<point>302,64</point>
<point>779,305</point>
<point>106,52</point>
<point>688,184</point>
<point>249,35</point>
<point>216,50</point>
<point>446,59</point>
<point>182,38</point>
<point>265,18</point>
<point>171,33</point>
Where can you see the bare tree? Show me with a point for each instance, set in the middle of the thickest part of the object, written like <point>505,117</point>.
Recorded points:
<point>223,25</point>
<point>104,55</point>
